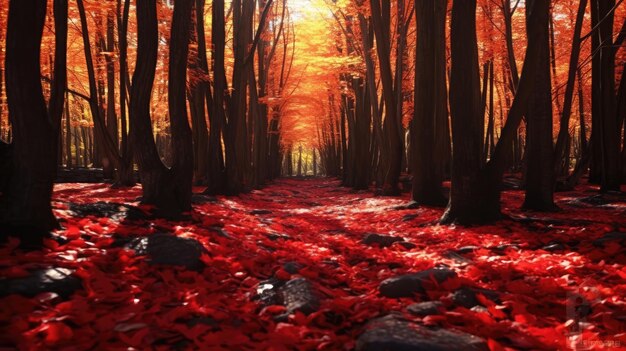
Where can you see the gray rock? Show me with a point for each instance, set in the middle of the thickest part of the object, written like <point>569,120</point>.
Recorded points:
<point>56,280</point>
<point>276,236</point>
<point>425,308</point>
<point>455,256</point>
<point>292,267</point>
<point>409,217</point>
<point>169,250</point>
<point>113,210</point>
<point>380,240</point>
<point>467,249</point>
<point>221,232</point>
<point>553,247</point>
<point>467,297</point>
<point>299,295</point>
<point>394,333</point>
<point>410,284</point>
<point>199,199</point>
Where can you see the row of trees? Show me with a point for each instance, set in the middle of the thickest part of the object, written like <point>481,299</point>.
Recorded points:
<point>223,114</point>
<point>419,103</point>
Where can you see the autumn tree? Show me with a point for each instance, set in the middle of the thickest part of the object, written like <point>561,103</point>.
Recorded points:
<point>430,107</point>
<point>169,189</point>
<point>26,191</point>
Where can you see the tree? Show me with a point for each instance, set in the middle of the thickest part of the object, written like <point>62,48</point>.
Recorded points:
<point>25,196</point>
<point>430,107</point>
<point>391,124</point>
<point>539,148</point>
<point>168,189</point>
<point>475,189</point>
<point>605,131</point>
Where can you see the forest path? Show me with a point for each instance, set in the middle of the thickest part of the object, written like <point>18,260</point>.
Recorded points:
<point>287,267</point>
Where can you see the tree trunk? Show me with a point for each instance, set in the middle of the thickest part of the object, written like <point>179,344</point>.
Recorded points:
<point>475,191</point>
<point>197,96</point>
<point>467,123</point>
<point>429,84</point>
<point>25,207</point>
<point>182,148</point>
<point>394,140</point>
<point>539,149</point>
<point>216,172</point>
<point>605,132</point>
<point>563,136</point>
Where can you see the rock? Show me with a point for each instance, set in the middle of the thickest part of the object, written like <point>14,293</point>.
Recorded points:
<point>409,217</point>
<point>467,297</point>
<point>380,240</point>
<point>292,267</point>
<point>395,333</point>
<point>553,247</point>
<point>456,257</point>
<point>221,232</point>
<point>618,237</point>
<point>169,250</point>
<point>199,199</point>
<point>425,308</point>
<point>298,295</point>
<point>276,236</point>
<point>267,292</point>
<point>260,212</point>
<point>596,200</point>
<point>501,249</point>
<point>113,210</point>
<point>467,249</point>
<point>410,284</point>
<point>57,280</point>
<point>410,206</point>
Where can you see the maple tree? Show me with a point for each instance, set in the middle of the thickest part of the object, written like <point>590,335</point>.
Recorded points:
<point>312,174</point>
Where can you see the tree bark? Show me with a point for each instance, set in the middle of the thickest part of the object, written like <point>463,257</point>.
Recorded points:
<point>25,208</point>
<point>540,178</point>
<point>429,85</point>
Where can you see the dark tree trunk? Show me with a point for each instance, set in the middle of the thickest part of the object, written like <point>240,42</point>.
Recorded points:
<point>59,81</point>
<point>539,149</point>
<point>100,130</point>
<point>467,122</point>
<point>182,148</point>
<point>475,192</point>
<point>25,208</point>
<point>169,190</point>
<point>111,117</point>
<point>125,174</point>
<point>560,156</point>
<point>605,132</point>
<point>197,96</point>
<point>429,106</point>
<point>394,140</point>
<point>216,177</point>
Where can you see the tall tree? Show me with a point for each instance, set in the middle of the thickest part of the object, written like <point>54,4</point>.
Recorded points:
<point>539,148</point>
<point>605,131</point>
<point>168,189</point>
<point>381,26</point>
<point>475,189</point>
<point>430,107</point>
<point>25,196</point>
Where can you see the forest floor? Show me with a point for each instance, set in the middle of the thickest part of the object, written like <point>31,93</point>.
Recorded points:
<point>292,267</point>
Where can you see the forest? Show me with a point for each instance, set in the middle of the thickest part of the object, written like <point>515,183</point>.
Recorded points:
<point>359,175</point>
